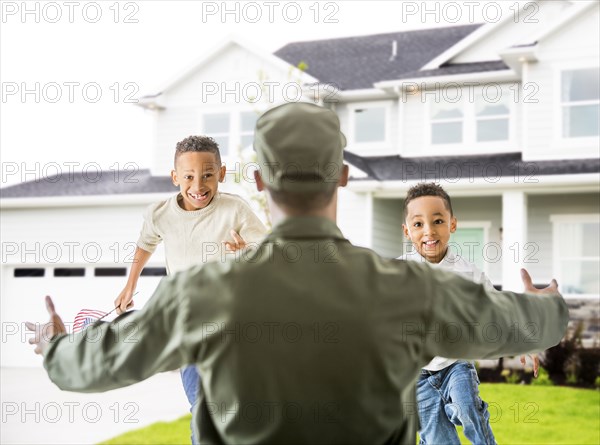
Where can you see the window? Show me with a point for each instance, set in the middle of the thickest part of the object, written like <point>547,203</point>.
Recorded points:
<point>247,124</point>
<point>110,272</point>
<point>577,253</point>
<point>69,272</point>
<point>580,102</point>
<point>23,272</point>
<point>467,117</point>
<point>154,272</point>
<point>446,123</point>
<point>217,126</point>
<point>492,119</point>
<point>369,124</point>
<point>233,131</point>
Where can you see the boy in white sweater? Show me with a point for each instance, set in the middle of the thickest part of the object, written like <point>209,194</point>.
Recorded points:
<point>194,225</point>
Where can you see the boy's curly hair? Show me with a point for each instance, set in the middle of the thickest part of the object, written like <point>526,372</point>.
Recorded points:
<point>197,144</point>
<point>427,189</point>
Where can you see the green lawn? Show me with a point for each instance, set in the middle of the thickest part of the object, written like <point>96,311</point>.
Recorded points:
<point>520,414</point>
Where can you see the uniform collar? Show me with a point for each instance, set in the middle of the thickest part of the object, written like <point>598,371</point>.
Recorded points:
<point>306,227</point>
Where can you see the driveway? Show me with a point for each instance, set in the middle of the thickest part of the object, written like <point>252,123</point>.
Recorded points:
<point>34,411</point>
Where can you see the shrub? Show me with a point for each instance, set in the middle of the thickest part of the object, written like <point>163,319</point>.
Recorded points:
<point>560,360</point>
<point>510,376</point>
<point>543,378</point>
<point>589,369</point>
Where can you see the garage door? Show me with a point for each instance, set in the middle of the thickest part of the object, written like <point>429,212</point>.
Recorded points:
<point>72,288</point>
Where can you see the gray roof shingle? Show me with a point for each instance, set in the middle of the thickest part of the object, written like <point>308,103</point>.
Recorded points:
<point>397,168</point>
<point>78,184</point>
<point>358,62</point>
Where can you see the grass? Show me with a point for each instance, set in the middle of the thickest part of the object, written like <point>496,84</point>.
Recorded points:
<point>522,414</point>
<point>177,432</point>
<point>518,415</point>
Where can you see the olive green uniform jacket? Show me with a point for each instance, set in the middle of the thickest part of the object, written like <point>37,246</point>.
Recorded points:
<point>307,339</point>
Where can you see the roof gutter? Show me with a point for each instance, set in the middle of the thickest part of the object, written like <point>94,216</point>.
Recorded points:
<point>550,184</point>
<point>421,83</point>
<point>83,201</point>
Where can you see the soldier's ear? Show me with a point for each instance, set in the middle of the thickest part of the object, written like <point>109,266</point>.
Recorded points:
<point>343,181</point>
<point>260,186</point>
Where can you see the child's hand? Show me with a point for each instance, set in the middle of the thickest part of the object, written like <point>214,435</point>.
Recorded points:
<point>44,332</point>
<point>124,301</point>
<point>536,363</point>
<point>237,243</point>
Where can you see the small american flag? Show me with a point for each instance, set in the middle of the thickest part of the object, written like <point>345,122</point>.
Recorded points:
<point>85,317</point>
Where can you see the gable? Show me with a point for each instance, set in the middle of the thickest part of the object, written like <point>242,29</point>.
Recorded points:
<point>233,75</point>
<point>518,27</point>
<point>581,32</point>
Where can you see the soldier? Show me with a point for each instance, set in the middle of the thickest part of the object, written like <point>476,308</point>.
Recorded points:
<point>307,339</point>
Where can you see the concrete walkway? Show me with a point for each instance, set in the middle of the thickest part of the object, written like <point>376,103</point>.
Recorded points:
<point>34,411</point>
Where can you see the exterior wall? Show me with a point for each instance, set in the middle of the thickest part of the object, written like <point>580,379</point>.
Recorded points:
<point>224,84</point>
<point>414,136</point>
<point>540,227</point>
<point>518,27</point>
<point>172,125</point>
<point>354,215</point>
<point>387,227</point>
<point>575,45</point>
<point>49,238</point>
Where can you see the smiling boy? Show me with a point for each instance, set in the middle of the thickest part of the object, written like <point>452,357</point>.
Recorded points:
<point>193,225</point>
<point>447,389</point>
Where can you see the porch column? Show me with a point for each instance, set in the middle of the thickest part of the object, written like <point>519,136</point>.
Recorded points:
<point>514,237</point>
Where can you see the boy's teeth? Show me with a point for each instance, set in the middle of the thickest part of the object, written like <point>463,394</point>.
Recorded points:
<point>198,195</point>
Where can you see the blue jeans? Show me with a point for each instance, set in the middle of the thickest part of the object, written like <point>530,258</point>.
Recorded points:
<point>451,397</point>
<point>191,382</point>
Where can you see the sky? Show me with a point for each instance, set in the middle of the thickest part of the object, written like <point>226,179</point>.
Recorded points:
<point>69,70</point>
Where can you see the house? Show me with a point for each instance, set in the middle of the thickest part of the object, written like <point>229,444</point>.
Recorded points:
<point>504,115</point>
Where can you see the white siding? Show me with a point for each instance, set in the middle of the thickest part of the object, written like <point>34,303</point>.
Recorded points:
<point>415,135</point>
<point>354,216</point>
<point>48,238</point>
<point>572,46</point>
<point>540,227</point>
<point>414,116</point>
<point>110,227</point>
<point>387,227</point>
<point>518,28</point>
<point>172,125</point>
<point>224,84</point>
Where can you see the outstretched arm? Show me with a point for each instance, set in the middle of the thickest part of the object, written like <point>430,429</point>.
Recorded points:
<point>473,322</point>
<point>127,350</point>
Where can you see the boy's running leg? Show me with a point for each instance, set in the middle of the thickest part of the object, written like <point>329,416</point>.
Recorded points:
<point>191,382</point>
<point>435,427</point>
<point>466,407</point>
